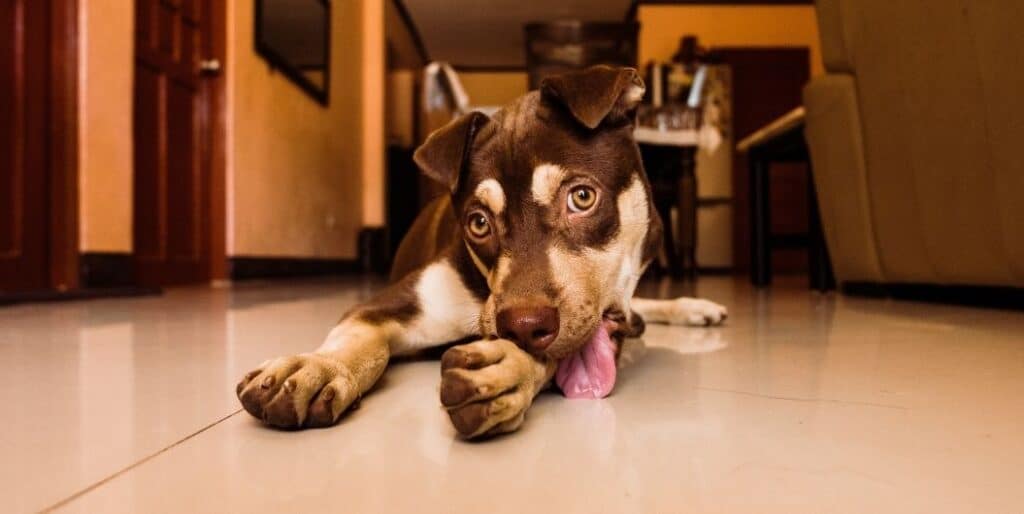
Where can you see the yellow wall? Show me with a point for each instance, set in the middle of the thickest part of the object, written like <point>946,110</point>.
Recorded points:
<point>374,89</point>
<point>661,26</point>
<point>105,125</point>
<point>296,171</point>
<point>500,88</point>
<point>295,168</point>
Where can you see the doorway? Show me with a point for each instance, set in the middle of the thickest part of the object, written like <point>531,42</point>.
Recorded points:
<point>179,194</point>
<point>38,146</point>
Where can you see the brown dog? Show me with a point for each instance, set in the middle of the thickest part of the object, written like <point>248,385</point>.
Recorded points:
<point>535,254</point>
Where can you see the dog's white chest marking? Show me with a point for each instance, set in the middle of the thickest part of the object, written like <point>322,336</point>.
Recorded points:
<point>448,311</point>
<point>547,178</point>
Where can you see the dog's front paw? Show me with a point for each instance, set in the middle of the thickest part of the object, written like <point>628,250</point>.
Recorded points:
<point>306,390</point>
<point>487,386</point>
<point>696,312</point>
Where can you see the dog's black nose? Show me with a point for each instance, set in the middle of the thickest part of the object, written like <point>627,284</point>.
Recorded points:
<point>532,328</point>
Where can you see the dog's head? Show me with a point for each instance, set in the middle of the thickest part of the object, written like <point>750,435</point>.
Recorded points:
<point>554,206</point>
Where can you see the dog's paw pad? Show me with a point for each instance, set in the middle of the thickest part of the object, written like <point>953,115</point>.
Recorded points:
<point>486,387</point>
<point>292,392</point>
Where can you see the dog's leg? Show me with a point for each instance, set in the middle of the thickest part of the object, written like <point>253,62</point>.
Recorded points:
<point>428,308</point>
<point>680,311</point>
<point>487,386</point>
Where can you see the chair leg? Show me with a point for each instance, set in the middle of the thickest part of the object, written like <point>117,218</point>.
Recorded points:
<point>760,222</point>
<point>819,266</point>
<point>687,204</point>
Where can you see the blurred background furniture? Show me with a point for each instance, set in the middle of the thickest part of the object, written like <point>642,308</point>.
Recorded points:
<point>684,120</point>
<point>782,141</point>
<point>915,141</point>
<point>670,163</point>
<point>560,46</point>
<point>766,84</point>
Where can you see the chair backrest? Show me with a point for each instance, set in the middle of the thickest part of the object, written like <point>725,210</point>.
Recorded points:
<point>938,95</point>
<point>557,47</point>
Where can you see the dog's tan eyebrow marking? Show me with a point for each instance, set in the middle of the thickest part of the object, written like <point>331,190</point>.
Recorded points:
<point>546,180</point>
<point>490,193</point>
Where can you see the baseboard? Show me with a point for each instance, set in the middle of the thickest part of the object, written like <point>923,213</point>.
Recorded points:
<point>105,270</point>
<point>246,268</point>
<point>77,294</point>
<point>715,270</point>
<point>999,297</point>
<point>374,250</point>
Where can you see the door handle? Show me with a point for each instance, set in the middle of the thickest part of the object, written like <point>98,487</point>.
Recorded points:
<point>209,66</point>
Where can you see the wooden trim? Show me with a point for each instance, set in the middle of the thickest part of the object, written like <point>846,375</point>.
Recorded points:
<point>77,294</point>
<point>714,201</point>
<point>414,31</point>
<point>217,118</point>
<point>717,271</point>
<point>1001,297</point>
<point>279,63</point>
<point>632,10</point>
<point>634,5</point>
<point>474,68</point>
<point>103,270</point>
<point>245,268</point>
<point>63,168</point>
<point>726,2</point>
<point>375,249</point>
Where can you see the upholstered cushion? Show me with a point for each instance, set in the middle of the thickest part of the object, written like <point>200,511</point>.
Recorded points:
<point>834,52</point>
<point>941,119</point>
<point>837,150</point>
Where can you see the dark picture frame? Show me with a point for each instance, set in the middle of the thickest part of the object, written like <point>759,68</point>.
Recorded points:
<point>281,63</point>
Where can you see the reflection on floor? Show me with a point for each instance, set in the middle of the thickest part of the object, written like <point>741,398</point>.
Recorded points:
<point>801,403</point>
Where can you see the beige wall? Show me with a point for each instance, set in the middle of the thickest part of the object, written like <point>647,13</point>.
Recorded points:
<point>295,168</point>
<point>400,107</point>
<point>661,26</point>
<point>105,126</point>
<point>374,90</point>
<point>296,171</point>
<point>499,88</point>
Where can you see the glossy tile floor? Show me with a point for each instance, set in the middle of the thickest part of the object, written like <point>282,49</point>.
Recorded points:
<point>802,403</point>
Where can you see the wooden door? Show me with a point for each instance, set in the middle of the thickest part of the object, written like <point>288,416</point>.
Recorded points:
<point>767,83</point>
<point>171,137</point>
<point>24,129</point>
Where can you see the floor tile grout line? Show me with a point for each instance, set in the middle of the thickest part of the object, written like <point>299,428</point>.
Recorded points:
<point>806,400</point>
<point>97,484</point>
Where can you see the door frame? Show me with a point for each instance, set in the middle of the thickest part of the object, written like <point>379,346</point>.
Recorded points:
<point>215,90</point>
<point>63,252</point>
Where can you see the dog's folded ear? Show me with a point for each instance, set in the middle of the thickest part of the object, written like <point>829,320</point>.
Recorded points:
<point>443,155</point>
<point>597,94</point>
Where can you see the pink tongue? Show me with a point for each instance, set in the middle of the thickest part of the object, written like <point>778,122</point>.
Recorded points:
<point>590,372</point>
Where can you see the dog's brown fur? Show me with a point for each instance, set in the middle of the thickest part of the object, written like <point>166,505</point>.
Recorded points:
<point>516,171</point>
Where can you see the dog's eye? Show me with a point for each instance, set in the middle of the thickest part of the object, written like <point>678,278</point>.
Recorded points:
<point>479,227</point>
<point>581,198</point>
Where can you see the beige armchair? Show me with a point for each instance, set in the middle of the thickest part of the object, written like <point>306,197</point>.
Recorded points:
<point>916,135</point>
